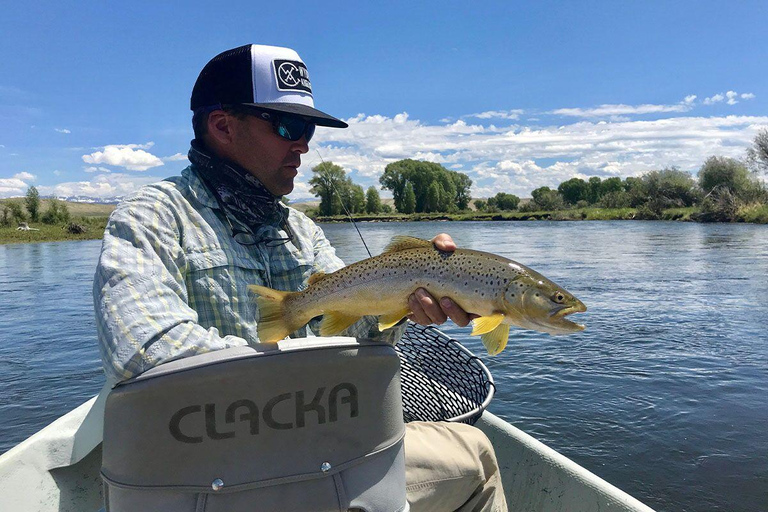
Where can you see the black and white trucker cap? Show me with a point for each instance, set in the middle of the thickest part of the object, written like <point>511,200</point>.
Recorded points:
<point>268,77</point>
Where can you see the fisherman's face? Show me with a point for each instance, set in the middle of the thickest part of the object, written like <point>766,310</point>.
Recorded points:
<point>271,158</point>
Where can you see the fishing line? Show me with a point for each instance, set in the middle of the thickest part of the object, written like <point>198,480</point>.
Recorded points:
<point>341,200</point>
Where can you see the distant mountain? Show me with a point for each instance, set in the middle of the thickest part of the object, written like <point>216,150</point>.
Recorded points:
<point>87,199</point>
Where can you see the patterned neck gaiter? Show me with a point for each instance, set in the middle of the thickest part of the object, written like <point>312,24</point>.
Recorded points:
<point>240,195</point>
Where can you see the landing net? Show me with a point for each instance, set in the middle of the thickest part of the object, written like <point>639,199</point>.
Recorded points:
<point>441,380</point>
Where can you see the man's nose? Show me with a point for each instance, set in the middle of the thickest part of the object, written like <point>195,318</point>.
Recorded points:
<point>300,146</point>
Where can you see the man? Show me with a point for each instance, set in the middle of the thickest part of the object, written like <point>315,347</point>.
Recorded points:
<point>178,256</point>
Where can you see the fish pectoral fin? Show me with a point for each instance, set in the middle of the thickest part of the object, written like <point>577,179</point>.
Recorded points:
<point>486,324</point>
<point>334,322</point>
<point>496,340</point>
<point>391,319</point>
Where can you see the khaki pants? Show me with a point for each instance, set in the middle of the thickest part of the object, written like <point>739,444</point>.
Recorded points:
<point>451,467</point>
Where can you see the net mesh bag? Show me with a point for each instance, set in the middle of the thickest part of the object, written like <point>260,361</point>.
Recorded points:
<point>441,380</point>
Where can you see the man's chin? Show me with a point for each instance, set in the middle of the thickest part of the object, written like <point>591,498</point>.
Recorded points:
<point>283,190</point>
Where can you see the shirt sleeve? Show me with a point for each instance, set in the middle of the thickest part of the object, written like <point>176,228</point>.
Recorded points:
<point>368,326</point>
<point>140,298</point>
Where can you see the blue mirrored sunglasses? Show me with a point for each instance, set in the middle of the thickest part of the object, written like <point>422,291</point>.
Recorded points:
<point>287,126</point>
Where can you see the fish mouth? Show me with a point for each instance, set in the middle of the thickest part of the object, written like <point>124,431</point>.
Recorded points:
<point>557,317</point>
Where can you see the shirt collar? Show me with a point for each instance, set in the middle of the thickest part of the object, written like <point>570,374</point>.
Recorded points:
<point>198,189</point>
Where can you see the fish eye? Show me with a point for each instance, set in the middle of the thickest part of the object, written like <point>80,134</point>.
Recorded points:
<point>558,297</point>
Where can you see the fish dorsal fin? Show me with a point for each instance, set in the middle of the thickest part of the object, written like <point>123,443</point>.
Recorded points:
<point>403,242</point>
<point>318,276</point>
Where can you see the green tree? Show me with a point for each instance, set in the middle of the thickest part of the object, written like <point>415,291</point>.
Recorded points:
<point>630,182</point>
<point>635,190</point>
<point>57,213</point>
<point>504,201</point>
<point>17,213</point>
<point>480,205</point>
<point>574,190</point>
<point>671,186</point>
<point>395,178</point>
<point>356,202</point>
<point>547,199</point>
<point>757,155</point>
<point>5,219</point>
<point>463,184</point>
<point>453,187</point>
<point>615,199</point>
<point>327,179</point>
<point>432,203</point>
<point>372,200</point>
<point>32,202</point>
<point>611,185</point>
<point>409,200</point>
<point>726,173</point>
<point>595,185</point>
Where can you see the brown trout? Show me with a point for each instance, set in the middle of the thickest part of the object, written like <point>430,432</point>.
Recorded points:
<point>503,292</point>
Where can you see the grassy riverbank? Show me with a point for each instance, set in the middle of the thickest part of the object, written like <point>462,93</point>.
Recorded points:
<point>94,219</point>
<point>91,216</point>
<point>94,230</point>
<point>684,214</point>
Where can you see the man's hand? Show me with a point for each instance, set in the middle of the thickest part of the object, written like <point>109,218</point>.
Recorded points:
<point>426,309</point>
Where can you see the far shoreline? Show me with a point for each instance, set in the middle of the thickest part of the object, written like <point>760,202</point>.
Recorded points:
<point>96,225</point>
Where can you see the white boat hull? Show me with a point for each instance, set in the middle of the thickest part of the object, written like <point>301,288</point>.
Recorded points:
<point>536,477</point>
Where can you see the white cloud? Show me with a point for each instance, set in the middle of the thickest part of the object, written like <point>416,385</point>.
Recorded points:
<point>497,114</point>
<point>623,110</point>
<point>57,172</point>
<point>148,145</point>
<point>517,159</point>
<point>96,169</point>
<point>178,157</point>
<point>717,98</point>
<point>62,130</point>
<point>12,187</point>
<point>131,156</point>
<point>25,176</point>
<point>730,97</point>
<point>102,186</point>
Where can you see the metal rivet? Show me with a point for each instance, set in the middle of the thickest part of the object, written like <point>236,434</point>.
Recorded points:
<point>325,467</point>
<point>217,484</point>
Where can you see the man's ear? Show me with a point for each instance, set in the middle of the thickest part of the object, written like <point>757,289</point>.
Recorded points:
<point>221,127</point>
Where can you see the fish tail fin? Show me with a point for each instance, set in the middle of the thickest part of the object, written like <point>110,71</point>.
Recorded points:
<point>275,320</point>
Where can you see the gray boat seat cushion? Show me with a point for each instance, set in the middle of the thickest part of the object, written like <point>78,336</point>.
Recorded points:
<point>315,425</point>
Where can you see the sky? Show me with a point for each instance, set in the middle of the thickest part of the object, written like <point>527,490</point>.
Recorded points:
<point>94,96</point>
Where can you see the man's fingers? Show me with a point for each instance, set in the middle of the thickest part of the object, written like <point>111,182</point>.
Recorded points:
<point>425,309</point>
<point>417,312</point>
<point>444,242</point>
<point>454,312</point>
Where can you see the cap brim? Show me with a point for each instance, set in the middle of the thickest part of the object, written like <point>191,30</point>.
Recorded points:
<point>320,118</point>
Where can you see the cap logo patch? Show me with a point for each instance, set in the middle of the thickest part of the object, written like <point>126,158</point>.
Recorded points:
<point>292,75</point>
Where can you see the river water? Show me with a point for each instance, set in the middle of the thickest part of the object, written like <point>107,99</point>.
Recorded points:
<point>664,395</point>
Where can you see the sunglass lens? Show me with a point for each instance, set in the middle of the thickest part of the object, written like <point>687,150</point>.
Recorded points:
<point>292,128</point>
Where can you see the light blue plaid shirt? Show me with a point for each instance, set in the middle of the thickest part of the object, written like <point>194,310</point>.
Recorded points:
<point>171,281</point>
